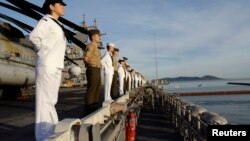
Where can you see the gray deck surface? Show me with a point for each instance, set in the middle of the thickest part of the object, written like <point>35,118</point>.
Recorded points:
<point>153,126</point>
<point>17,117</point>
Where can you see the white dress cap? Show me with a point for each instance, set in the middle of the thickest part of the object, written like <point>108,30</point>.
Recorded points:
<point>111,44</point>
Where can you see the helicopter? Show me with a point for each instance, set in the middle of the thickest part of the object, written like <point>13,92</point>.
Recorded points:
<point>17,56</point>
<point>16,62</point>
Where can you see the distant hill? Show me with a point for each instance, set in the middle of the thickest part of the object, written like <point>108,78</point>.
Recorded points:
<point>184,78</point>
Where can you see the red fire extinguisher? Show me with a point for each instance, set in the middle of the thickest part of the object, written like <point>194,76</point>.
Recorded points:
<point>131,127</point>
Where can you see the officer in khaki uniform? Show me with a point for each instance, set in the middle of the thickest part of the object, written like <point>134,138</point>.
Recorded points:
<point>92,60</point>
<point>114,87</point>
<point>132,79</point>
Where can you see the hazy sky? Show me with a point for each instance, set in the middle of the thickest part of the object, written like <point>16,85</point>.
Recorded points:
<point>192,37</point>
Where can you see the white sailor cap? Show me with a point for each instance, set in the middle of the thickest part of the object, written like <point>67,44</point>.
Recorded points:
<point>111,44</point>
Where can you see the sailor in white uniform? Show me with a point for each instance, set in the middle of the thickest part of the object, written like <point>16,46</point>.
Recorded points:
<point>107,65</point>
<point>50,43</point>
<point>121,76</point>
<point>139,79</point>
<point>136,80</point>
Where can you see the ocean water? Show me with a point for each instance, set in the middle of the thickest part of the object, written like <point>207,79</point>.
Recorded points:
<point>203,86</point>
<point>235,108</point>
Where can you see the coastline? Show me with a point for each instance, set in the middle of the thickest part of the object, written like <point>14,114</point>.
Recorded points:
<point>233,92</point>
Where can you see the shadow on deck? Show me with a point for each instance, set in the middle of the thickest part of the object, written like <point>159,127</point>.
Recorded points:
<point>153,126</point>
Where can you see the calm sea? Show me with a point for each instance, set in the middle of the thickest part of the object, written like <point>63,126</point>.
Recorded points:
<point>235,108</point>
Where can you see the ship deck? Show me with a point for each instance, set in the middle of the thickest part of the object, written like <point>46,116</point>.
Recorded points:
<point>17,118</point>
<point>154,126</point>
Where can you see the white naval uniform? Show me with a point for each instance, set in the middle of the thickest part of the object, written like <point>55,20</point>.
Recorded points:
<point>121,76</point>
<point>126,80</point>
<point>136,80</point>
<point>132,80</point>
<point>107,62</point>
<point>139,80</point>
<point>50,43</point>
<point>129,81</point>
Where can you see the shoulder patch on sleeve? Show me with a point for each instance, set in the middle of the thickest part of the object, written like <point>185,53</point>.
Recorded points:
<point>87,49</point>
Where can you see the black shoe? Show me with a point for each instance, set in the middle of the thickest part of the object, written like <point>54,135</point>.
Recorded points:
<point>91,108</point>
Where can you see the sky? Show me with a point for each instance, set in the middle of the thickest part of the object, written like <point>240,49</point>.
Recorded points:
<point>186,37</point>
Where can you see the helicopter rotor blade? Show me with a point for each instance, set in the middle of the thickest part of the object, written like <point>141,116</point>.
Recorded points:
<point>22,25</point>
<point>236,83</point>
<point>28,29</point>
<point>25,10</point>
<point>40,10</point>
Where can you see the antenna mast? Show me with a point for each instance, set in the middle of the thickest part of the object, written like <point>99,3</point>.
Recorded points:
<point>156,70</point>
<point>95,23</point>
<point>84,24</point>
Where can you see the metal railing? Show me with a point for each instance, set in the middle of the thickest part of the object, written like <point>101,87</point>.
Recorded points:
<point>108,123</point>
<point>105,124</point>
<point>190,120</point>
